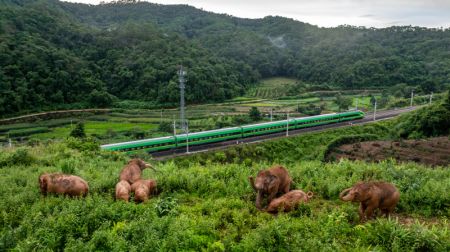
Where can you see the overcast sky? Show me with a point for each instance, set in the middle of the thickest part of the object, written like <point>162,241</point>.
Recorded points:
<point>330,13</point>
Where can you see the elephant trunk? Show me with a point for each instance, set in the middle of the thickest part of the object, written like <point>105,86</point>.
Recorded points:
<point>343,193</point>
<point>252,183</point>
<point>259,197</point>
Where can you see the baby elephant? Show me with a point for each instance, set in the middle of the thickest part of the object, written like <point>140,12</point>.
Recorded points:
<point>143,189</point>
<point>372,195</point>
<point>133,170</point>
<point>63,184</point>
<point>289,201</point>
<point>123,190</point>
<point>270,182</point>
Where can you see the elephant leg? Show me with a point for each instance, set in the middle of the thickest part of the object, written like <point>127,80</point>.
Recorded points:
<point>369,212</point>
<point>271,197</point>
<point>287,187</point>
<point>362,209</point>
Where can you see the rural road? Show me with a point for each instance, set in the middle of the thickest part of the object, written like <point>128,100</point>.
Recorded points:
<point>381,115</point>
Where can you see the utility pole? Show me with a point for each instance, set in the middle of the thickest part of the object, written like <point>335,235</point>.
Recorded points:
<point>174,128</point>
<point>431,97</point>
<point>412,97</point>
<point>287,124</point>
<point>181,75</point>
<point>375,110</point>
<point>271,114</point>
<point>187,137</point>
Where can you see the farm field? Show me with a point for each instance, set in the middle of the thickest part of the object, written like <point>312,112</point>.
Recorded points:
<point>208,204</point>
<point>129,124</point>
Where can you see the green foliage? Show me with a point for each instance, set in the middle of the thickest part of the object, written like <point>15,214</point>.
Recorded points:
<point>82,144</point>
<point>254,114</point>
<point>343,102</point>
<point>20,156</point>
<point>27,131</point>
<point>165,127</point>
<point>78,131</point>
<point>428,121</point>
<point>166,206</point>
<point>211,207</point>
<point>310,109</point>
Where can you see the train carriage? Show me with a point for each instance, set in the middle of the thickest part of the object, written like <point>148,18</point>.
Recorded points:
<point>212,136</point>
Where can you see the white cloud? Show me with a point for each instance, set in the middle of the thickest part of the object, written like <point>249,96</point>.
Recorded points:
<point>330,13</point>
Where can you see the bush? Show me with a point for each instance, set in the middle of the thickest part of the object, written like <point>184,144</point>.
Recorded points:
<point>87,144</point>
<point>78,131</point>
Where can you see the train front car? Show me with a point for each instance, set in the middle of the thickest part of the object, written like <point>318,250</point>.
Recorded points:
<point>150,145</point>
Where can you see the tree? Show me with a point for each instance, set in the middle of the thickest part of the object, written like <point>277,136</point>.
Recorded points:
<point>343,102</point>
<point>101,99</point>
<point>254,114</point>
<point>78,131</point>
<point>165,127</point>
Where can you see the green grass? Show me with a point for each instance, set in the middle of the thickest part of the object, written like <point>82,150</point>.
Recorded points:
<point>210,207</point>
<point>99,128</point>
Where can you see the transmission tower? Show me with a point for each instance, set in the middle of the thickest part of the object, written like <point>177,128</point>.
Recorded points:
<point>181,75</point>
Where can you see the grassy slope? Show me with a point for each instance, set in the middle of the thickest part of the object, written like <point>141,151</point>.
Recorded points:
<point>210,206</point>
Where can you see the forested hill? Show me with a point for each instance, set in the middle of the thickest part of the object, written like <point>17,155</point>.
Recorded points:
<point>58,54</point>
<point>50,60</point>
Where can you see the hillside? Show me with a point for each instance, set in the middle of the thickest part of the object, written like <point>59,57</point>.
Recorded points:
<point>206,202</point>
<point>58,55</point>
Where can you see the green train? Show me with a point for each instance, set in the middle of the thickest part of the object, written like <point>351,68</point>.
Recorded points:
<point>212,136</point>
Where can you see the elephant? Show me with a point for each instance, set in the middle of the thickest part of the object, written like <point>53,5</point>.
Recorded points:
<point>271,182</point>
<point>142,189</point>
<point>123,190</point>
<point>133,170</point>
<point>65,184</point>
<point>372,195</point>
<point>289,201</point>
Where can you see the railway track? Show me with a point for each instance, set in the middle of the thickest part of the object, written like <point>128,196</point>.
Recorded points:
<point>381,115</point>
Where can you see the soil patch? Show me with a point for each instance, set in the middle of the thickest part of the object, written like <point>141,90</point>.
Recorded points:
<point>432,151</point>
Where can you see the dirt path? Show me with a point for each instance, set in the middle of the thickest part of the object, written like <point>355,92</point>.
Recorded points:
<point>432,151</point>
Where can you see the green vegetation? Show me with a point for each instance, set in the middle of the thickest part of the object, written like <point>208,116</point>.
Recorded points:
<point>60,55</point>
<point>211,207</point>
<point>429,121</point>
<point>78,131</point>
<point>254,114</point>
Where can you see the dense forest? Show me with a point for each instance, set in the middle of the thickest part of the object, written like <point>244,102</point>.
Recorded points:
<point>64,55</point>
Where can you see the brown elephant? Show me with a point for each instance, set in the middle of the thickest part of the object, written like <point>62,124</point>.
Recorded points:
<point>123,190</point>
<point>133,170</point>
<point>59,183</point>
<point>372,195</point>
<point>271,182</point>
<point>143,189</point>
<point>289,201</point>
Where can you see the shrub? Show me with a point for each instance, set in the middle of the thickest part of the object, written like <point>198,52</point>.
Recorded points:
<point>78,131</point>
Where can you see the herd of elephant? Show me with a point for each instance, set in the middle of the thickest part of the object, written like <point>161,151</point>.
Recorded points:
<point>272,182</point>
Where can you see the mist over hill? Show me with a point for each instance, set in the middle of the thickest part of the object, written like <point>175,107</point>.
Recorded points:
<point>63,55</point>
